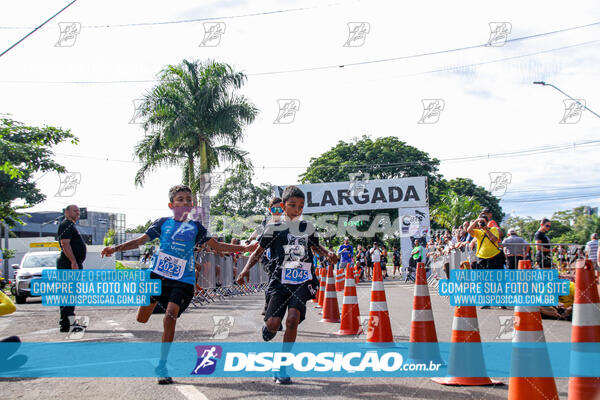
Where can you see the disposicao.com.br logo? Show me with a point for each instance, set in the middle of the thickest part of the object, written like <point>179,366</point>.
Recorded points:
<point>370,361</point>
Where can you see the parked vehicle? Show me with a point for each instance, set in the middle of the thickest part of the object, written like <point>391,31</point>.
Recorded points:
<point>31,267</point>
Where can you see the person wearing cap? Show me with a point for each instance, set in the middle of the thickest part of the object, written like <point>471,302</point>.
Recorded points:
<point>488,244</point>
<point>515,248</point>
<point>346,252</point>
<point>491,222</point>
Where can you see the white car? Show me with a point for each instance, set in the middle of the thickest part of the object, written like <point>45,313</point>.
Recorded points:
<point>32,265</point>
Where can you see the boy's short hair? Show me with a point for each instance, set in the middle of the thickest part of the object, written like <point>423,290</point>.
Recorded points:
<point>274,201</point>
<point>176,189</point>
<point>292,191</point>
<point>544,221</point>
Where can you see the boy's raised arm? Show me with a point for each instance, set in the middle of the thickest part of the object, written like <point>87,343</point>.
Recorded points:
<point>130,245</point>
<point>229,248</point>
<point>252,261</point>
<point>322,251</point>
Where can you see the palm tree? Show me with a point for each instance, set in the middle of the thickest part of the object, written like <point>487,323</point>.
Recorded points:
<point>454,210</point>
<point>194,119</point>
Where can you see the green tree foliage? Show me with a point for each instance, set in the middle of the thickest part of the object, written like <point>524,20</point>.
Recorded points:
<point>194,119</point>
<point>24,151</point>
<point>239,196</point>
<point>466,187</point>
<point>109,238</point>
<point>140,228</point>
<point>577,226</point>
<point>454,209</point>
<point>382,158</point>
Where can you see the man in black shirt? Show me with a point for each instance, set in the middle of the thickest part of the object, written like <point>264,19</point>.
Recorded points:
<point>543,256</point>
<point>72,255</point>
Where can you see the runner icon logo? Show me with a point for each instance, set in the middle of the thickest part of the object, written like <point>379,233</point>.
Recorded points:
<point>207,359</point>
<point>499,32</point>
<point>223,324</point>
<point>573,110</point>
<point>68,33</point>
<point>507,327</point>
<point>357,34</point>
<point>358,183</point>
<point>287,111</point>
<point>212,34</point>
<point>499,182</point>
<point>432,109</point>
<point>68,184</point>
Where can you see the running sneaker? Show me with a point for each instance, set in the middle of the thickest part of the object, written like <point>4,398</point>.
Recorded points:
<point>162,372</point>
<point>282,380</point>
<point>267,336</point>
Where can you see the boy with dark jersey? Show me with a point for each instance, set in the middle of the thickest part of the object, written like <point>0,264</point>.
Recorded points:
<point>174,265</point>
<point>292,279</point>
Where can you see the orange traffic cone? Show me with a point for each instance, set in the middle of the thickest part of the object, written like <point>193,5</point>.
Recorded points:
<point>322,288</point>
<point>318,274</point>
<point>331,309</point>
<point>350,313</point>
<point>380,329</point>
<point>529,352</point>
<point>357,272</point>
<point>423,337</point>
<point>585,329</point>
<point>339,279</point>
<point>466,359</point>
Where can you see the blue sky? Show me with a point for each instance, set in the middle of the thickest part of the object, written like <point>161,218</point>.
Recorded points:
<point>491,106</point>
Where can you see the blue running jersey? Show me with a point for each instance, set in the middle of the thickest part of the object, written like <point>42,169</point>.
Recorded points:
<point>175,257</point>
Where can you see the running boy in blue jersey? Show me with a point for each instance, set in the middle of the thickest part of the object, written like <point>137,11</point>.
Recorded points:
<point>174,265</point>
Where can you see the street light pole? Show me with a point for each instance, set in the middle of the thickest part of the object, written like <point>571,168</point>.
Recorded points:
<point>575,100</point>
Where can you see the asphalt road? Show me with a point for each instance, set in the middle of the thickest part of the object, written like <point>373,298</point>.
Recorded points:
<point>36,323</point>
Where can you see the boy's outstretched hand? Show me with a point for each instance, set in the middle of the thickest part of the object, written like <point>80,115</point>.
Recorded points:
<point>243,277</point>
<point>107,251</point>
<point>333,258</point>
<point>251,247</point>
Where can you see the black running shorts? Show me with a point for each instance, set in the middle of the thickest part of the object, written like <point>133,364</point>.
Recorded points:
<point>172,292</point>
<point>293,298</point>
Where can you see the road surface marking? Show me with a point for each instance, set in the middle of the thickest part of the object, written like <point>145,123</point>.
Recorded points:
<point>191,393</point>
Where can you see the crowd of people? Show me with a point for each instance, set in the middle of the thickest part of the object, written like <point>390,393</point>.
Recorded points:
<point>489,248</point>
<point>482,242</point>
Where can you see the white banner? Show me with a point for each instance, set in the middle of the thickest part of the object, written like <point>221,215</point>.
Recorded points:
<point>409,218</point>
<point>363,195</point>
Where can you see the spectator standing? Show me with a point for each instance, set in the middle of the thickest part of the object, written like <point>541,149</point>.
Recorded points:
<point>515,248</point>
<point>543,256</point>
<point>591,252</point>
<point>417,255</point>
<point>491,222</point>
<point>72,255</point>
<point>346,252</point>
<point>396,260</point>
<point>488,241</point>
<point>375,253</point>
<point>384,255</point>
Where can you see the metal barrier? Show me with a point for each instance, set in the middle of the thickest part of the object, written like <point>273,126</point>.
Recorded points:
<point>216,278</point>
<point>456,257</point>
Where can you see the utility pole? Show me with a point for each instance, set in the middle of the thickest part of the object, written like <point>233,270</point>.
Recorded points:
<point>575,100</point>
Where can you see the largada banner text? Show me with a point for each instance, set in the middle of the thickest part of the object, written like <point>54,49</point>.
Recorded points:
<point>363,195</point>
<point>408,195</point>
